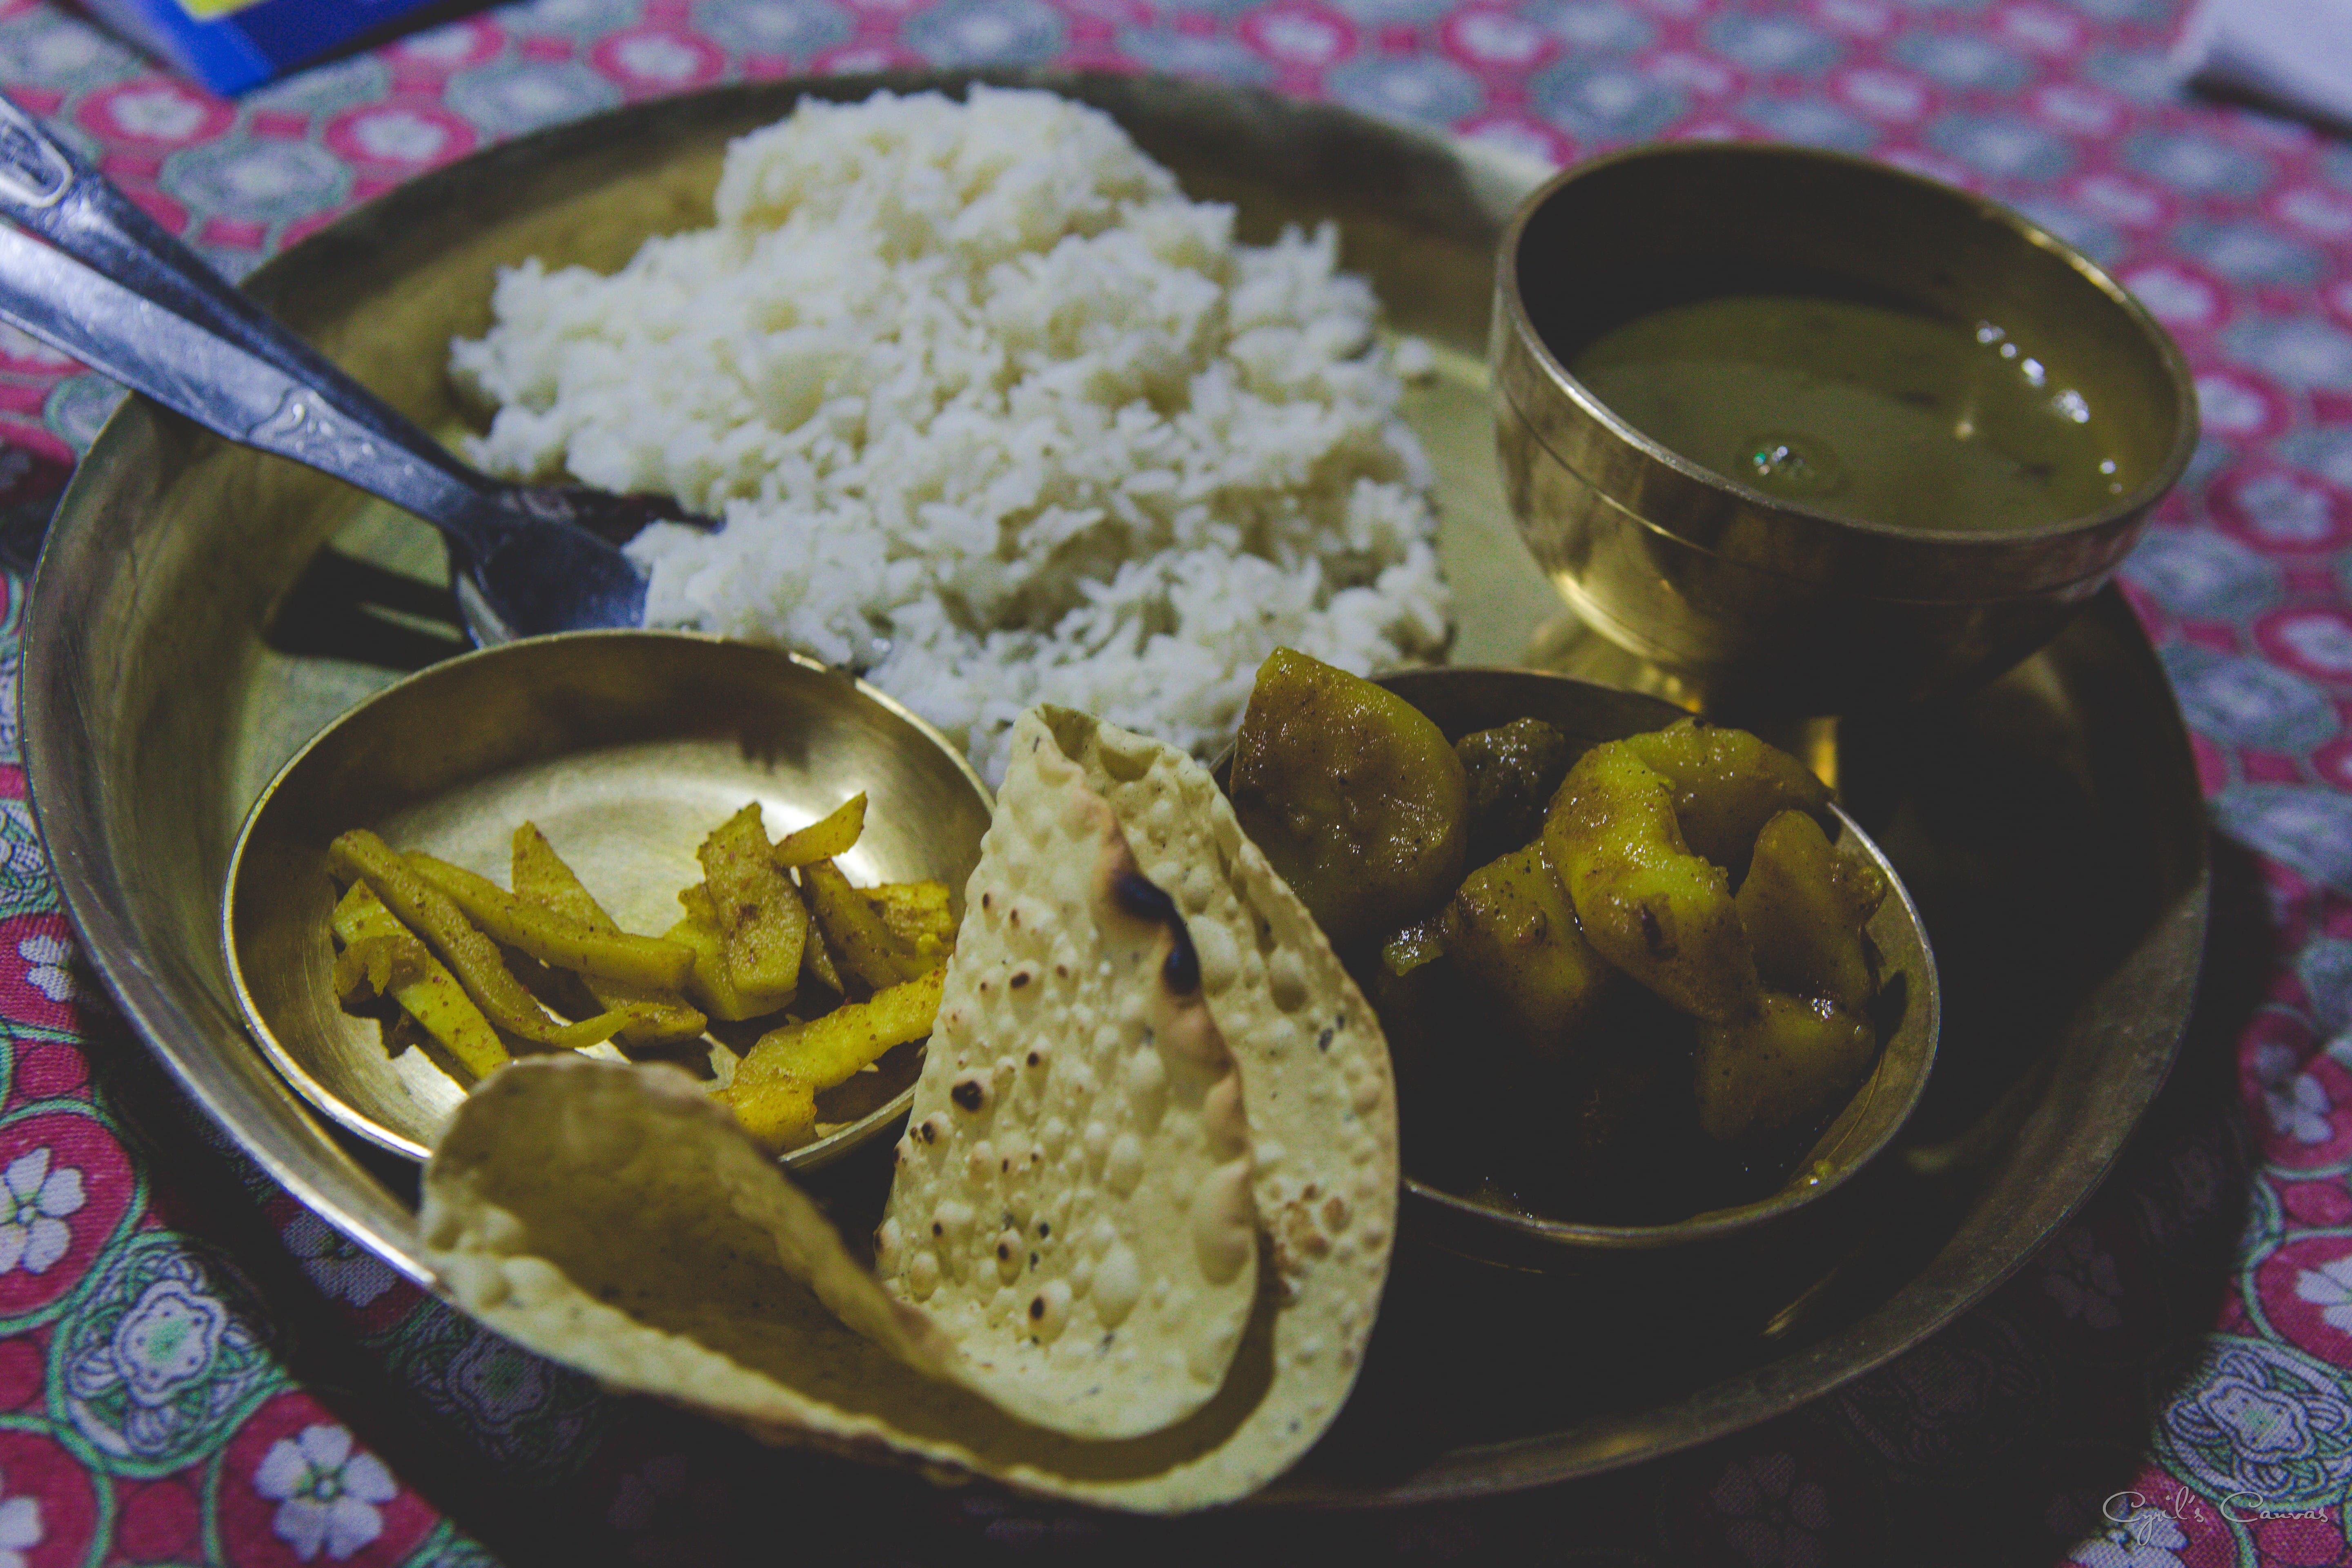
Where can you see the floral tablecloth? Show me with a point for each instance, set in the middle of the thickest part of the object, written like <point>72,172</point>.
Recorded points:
<point>192,1368</point>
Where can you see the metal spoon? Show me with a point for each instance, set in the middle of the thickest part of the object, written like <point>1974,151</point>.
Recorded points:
<point>125,297</point>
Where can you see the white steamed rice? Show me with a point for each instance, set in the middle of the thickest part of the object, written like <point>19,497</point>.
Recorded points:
<point>993,414</point>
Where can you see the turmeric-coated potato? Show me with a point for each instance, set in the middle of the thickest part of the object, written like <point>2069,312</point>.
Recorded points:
<point>1804,909</point>
<point>1513,769</point>
<point>1511,932</point>
<point>1654,910</point>
<point>1414,946</point>
<point>1727,785</point>
<point>1787,1061</point>
<point>540,877</point>
<point>855,932</point>
<point>472,958</point>
<point>712,981</point>
<point>1353,795</point>
<point>773,1092</point>
<point>382,957</point>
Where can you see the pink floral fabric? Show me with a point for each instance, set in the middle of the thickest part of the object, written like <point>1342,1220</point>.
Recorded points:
<point>192,1368</point>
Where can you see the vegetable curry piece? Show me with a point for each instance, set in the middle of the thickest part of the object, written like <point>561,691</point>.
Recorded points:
<point>806,981</point>
<point>1625,987</point>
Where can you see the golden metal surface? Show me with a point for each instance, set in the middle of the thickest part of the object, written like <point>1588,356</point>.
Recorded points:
<point>1466,700</point>
<point>2049,827</point>
<point>625,749</point>
<point>1764,605</point>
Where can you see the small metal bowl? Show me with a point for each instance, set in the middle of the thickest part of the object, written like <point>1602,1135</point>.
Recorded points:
<point>1762,604</point>
<point>626,748</point>
<point>1461,701</point>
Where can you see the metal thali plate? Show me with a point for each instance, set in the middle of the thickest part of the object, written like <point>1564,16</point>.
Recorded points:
<point>188,633</point>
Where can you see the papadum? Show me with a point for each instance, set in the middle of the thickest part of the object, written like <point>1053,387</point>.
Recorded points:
<point>612,1218</point>
<point>1316,1076</point>
<point>1072,1202</point>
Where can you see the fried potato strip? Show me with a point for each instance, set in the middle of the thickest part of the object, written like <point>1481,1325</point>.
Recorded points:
<point>382,957</point>
<point>774,1090</point>
<point>762,925</point>
<point>554,939</point>
<point>833,834</point>
<point>540,877</point>
<point>859,938</point>
<point>816,961</point>
<point>472,957</point>
<point>709,985</point>
<point>916,914</point>
<point>464,957</point>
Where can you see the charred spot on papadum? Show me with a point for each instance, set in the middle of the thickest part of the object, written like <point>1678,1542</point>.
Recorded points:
<point>1145,900</point>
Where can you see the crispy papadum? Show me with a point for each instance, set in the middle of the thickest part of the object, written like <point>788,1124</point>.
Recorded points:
<point>1316,1076</point>
<point>1072,1201</point>
<point>542,1171</point>
<point>613,1218</point>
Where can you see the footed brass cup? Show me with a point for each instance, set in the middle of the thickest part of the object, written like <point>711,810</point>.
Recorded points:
<point>1758,605</point>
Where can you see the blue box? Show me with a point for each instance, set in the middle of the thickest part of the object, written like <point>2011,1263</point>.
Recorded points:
<point>232,45</point>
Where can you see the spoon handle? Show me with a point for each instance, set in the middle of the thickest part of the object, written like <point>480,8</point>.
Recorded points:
<point>222,385</point>
<point>147,311</point>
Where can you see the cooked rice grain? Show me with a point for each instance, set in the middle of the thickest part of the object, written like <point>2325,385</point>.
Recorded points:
<point>993,414</point>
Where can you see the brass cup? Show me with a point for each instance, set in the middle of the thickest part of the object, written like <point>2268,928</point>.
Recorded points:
<point>1758,605</point>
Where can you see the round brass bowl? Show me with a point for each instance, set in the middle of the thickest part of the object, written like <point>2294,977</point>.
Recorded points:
<point>1463,701</point>
<point>1758,604</point>
<point>626,748</point>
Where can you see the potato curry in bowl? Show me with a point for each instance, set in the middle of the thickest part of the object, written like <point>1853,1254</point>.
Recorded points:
<point>1642,980</point>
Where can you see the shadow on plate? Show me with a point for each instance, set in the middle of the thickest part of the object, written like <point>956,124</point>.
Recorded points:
<point>345,608</point>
